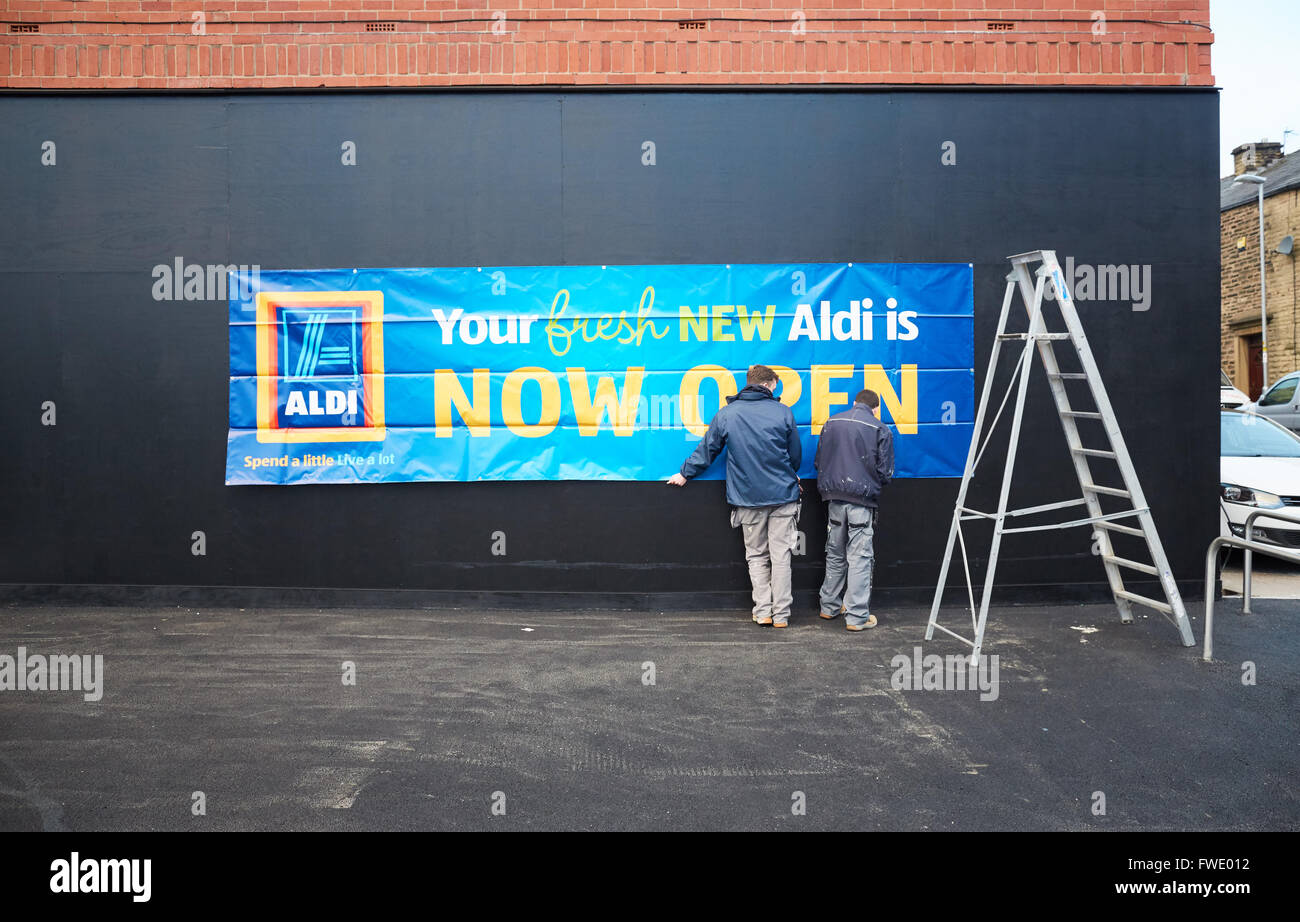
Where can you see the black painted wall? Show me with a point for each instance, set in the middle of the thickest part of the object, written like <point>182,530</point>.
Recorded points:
<point>113,492</point>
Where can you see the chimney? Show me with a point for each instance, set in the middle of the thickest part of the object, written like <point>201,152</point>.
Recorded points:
<point>1251,158</point>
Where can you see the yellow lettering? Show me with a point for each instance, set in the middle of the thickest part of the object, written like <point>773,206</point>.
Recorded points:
<point>762,322</point>
<point>602,324</point>
<point>556,330</point>
<point>689,323</point>
<point>721,323</point>
<point>447,392</point>
<point>511,402</point>
<point>620,412</point>
<point>559,334</point>
<point>822,396</point>
<point>903,412</point>
<point>791,384</point>
<point>642,311</point>
<point>689,396</point>
<point>624,324</point>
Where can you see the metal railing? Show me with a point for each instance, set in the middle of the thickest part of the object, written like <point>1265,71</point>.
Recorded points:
<point>1250,536</point>
<point>1250,546</point>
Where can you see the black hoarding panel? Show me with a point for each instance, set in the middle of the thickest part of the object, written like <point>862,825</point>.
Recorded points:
<point>114,492</point>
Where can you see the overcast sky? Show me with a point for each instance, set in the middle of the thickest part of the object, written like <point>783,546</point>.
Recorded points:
<point>1257,63</point>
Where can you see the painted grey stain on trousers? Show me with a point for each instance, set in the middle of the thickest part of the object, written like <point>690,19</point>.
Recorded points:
<point>850,558</point>
<point>770,533</point>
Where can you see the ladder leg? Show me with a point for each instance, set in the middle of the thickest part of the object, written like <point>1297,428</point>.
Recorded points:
<point>1131,482</point>
<point>1167,580</point>
<point>1035,325</point>
<point>943,570</point>
<point>1082,470</point>
<point>969,472</point>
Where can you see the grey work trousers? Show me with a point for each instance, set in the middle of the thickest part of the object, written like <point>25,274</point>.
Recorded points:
<point>850,559</point>
<point>770,533</point>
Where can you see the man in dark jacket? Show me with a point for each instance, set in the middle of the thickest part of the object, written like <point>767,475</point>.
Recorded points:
<point>763,457</point>
<point>855,459</point>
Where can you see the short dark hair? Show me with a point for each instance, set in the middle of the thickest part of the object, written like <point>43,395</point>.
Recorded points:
<point>870,398</point>
<point>761,374</point>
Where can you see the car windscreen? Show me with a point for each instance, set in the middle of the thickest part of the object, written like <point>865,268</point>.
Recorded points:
<point>1242,435</point>
<point>1223,379</point>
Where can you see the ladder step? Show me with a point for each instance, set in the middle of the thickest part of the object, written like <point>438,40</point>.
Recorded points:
<point>1143,600</point>
<point>1093,452</point>
<point>1122,529</point>
<point>1131,564</point>
<point>1108,491</point>
<point>1069,376</point>
<point>1081,414</point>
<point>1024,336</point>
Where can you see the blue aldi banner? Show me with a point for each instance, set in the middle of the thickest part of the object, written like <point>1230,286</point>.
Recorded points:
<point>581,372</point>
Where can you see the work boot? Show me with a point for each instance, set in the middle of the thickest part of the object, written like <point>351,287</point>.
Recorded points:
<point>870,622</point>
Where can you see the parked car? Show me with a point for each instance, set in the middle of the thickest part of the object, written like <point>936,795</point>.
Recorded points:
<point>1229,397</point>
<point>1281,402</point>
<point>1259,468</point>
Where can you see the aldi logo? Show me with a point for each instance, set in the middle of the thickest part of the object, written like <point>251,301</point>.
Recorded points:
<point>320,366</point>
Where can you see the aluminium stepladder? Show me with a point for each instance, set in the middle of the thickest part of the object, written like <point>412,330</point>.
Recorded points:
<point>1114,452</point>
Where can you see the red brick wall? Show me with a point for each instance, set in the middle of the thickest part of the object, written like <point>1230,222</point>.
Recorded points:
<point>313,43</point>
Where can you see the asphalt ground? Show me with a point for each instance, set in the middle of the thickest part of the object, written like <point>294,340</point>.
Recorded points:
<point>549,717</point>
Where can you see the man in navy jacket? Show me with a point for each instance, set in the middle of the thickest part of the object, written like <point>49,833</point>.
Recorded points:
<point>855,460</point>
<point>763,458</point>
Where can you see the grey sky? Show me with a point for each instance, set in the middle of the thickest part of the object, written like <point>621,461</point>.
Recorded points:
<point>1257,63</point>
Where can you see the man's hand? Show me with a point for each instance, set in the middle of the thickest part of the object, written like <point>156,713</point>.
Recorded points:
<point>677,480</point>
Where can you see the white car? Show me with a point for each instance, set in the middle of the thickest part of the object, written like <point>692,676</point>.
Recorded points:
<point>1229,397</point>
<point>1259,468</point>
